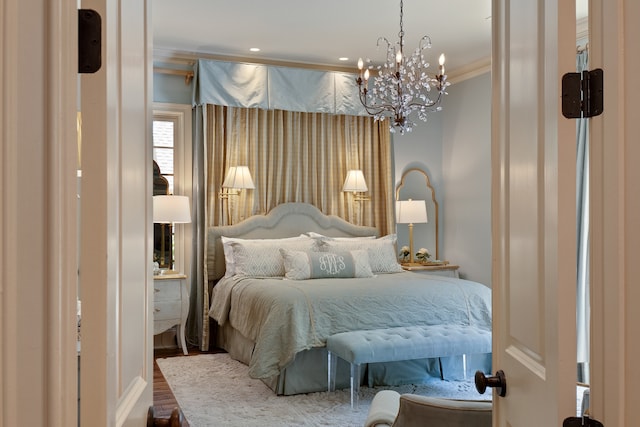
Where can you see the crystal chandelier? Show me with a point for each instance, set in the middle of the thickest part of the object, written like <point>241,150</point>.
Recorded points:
<point>402,85</point>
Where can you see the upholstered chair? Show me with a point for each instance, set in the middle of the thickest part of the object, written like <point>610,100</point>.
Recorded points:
<point>389,408</point>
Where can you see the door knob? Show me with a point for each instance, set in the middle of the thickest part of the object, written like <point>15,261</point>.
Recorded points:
<point>499,382</point>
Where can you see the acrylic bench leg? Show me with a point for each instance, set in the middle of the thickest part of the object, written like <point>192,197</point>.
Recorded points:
<point>464,366</point>
<point>332,362</point>
<point>355,385</point>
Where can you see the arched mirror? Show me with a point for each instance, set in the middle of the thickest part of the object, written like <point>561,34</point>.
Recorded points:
<point>415,185</point>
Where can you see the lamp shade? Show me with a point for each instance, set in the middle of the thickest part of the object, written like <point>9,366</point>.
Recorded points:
<point>168,209</point>
<point>355,181</point>
<point>411,211</point>
<point>238,177</point>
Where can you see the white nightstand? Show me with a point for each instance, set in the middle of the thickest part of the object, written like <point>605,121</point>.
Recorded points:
<point>445,269</point>
<point>171,305</point>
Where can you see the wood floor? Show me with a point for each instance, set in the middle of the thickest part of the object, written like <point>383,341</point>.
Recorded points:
<point>164,401</point>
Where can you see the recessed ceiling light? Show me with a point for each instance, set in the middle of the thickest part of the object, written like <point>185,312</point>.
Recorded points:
<point>343,58</point>
<point>255,49</point>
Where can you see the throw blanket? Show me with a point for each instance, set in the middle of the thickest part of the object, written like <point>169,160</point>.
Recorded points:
<point>284,317</point>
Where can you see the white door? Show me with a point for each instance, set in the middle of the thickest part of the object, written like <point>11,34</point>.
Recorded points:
<point>533,213</point>
<point>116,221</point>
<point>615,213</point>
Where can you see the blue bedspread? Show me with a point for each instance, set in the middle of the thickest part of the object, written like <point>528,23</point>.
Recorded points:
<point>284,317</point>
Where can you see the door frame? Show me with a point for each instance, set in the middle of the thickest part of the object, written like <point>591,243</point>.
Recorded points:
<point>38,222</point>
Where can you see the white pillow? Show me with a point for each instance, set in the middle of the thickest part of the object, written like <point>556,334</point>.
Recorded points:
<point>230,268</point>
<point>382,252</point>
<point>262,258</point>
<point>301,265</point>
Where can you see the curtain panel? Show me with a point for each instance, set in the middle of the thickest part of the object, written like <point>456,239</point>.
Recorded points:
<point>298,157</point>
<point>583,312</point>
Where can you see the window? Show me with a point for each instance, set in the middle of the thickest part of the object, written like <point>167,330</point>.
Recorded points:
<point>163,149</point>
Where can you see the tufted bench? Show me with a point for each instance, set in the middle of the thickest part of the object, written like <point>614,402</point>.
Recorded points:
<point>401,343</point>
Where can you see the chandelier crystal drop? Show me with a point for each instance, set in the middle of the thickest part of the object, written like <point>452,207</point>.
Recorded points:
<point>402,85</point>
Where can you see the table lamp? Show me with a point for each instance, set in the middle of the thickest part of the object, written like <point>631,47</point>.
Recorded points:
<point>411,212</point>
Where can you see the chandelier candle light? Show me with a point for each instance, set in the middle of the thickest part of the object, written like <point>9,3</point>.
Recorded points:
<point>402,85</point>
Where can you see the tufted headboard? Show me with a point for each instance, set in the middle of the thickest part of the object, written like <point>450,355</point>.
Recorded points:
<point>285,220</point>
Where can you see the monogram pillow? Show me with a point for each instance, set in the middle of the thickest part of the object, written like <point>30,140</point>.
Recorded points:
<point>300,265</point>
<point>382,252</point>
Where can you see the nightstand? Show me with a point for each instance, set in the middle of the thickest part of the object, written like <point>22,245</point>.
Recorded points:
<point>170,305</point>
<point>444,269</point>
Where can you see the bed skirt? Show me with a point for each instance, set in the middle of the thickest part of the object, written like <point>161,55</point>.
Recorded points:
<point>308,371</point>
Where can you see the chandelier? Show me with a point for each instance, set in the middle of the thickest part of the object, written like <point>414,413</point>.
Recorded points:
<point>402,85</point>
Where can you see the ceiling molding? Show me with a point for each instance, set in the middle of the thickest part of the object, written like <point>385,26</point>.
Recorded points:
<point>186,60</point>
<point>189,58</point>
<point>469,71</point>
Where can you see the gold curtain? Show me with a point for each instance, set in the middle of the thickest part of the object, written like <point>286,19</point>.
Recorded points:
<point>298,157</point>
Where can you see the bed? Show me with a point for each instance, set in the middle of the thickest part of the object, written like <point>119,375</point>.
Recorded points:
<point>276,317</point>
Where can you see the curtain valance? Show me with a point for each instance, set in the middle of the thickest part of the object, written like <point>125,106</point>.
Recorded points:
<point>270,87</point>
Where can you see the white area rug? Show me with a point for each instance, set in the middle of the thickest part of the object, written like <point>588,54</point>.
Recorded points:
<point>215,390</point>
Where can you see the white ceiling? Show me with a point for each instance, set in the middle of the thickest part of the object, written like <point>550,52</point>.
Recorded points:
<point>319,32</point>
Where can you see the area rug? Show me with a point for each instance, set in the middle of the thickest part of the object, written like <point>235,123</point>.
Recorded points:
<point>215,390</point>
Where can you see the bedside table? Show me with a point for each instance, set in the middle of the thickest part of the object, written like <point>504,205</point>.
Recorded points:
<point>170,305</point>
<point>445,269</point>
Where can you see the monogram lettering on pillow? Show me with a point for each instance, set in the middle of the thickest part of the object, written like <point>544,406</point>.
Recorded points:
<point>303,265</point>
<point>333,264</point>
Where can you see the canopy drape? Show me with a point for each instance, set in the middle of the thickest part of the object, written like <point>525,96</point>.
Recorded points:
<point>298,157</point>
<point>299,131</point>
<point>271,87</point>
<point>293,157</point>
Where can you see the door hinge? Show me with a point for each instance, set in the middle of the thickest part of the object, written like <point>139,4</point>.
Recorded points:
<point>582,94</point>
<point>581,422</point>
<point>89,41</point>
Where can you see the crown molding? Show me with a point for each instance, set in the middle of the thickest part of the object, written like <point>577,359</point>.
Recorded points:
<point>183,60</point>
<point>469,71</point>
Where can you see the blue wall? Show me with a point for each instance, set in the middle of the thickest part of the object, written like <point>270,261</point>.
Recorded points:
<point>171,89</point>
<point>454,148</point>
<point>466,163</point>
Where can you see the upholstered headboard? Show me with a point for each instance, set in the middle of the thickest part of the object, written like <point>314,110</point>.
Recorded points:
<point>285,220</point>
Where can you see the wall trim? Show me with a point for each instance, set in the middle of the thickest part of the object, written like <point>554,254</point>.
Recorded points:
<point>471,70</point>
<point>184,61</point>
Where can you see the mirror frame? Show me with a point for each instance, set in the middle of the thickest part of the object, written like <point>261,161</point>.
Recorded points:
<point>433,199</point>
<point>161,232</point>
